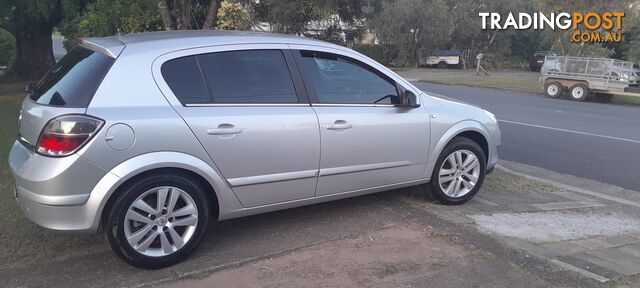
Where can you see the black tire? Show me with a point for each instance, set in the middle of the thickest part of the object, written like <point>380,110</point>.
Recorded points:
<point>115,220</point>
<point>442,65</point>
<point>603,97</point>
<point>578,92</point>
<point>553,89</point>
<point>457,144</point>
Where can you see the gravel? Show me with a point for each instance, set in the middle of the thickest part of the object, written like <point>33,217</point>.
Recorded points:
<point>552,226</point>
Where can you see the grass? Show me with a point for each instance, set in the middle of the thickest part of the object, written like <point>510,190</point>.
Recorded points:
<point>491,82</point>
<point>511,83</point>
<point>22,241</point>
<point>502,181</point>
<point>390,269</point>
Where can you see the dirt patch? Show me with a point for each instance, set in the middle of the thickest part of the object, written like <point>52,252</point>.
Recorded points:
<point>384,258</point>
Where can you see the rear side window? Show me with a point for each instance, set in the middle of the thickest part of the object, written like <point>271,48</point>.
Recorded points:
<point>340,80</point>
<point>251,76</point>
<point>73,80</point>
<point>184,78</point>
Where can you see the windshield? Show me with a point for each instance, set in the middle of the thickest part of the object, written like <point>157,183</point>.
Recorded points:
<point>73,80</point>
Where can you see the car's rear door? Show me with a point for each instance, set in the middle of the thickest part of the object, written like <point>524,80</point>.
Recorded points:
<point>367,139</point>
<point>249,110</point>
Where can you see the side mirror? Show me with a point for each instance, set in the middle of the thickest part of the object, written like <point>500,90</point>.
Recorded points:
<point>31,87</point>
<point>409,99</point>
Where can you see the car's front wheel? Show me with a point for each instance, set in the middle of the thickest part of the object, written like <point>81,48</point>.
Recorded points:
<point>158,220</point>
<point>459,172</point>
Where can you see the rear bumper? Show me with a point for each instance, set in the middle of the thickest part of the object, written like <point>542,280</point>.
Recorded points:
<point>54,192</point>
<point>73,219</point>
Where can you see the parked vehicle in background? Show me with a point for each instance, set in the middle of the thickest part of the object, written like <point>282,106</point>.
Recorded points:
<point>584,76</point>
<point>538,58</point>
<point>634,80</point>
<point>153,136</point>
<point>447,58</point>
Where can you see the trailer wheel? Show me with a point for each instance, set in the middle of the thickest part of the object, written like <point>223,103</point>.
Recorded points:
<point>553,89</point>
<point>579,92</point>
<point>603,97</point>
<point>442,65</point>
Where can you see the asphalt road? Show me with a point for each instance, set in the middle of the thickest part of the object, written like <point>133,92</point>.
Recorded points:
<point>590,140</point>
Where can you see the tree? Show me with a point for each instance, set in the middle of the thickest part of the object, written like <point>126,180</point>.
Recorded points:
<point>413,27</point>
<point>7,48</point>
<point>287,16</point>
<point>107,17</point>
<point>31,23</point>
<point>233,16</point>
<point>181,14</point>
<point>562,38</point>
<point>294,16</point>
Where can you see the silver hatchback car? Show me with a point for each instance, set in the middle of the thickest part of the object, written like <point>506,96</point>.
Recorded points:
<point>151,137</point>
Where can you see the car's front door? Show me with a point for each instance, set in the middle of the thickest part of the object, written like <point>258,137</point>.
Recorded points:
<point>367,139</point>
<point>252,118</point>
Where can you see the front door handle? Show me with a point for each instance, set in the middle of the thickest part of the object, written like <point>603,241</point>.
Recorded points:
<point>339,125</point>
<point>224,129</point>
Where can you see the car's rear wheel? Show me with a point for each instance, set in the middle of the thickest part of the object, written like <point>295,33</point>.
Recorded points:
<point>442,65</point>
<point>553,89</point>
<point>579,92</point>
<point>158,220</point>
<point>459,172</point>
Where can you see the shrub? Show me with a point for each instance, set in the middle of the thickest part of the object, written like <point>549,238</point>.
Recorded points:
<point>379,52</point>
<point>7,48</point>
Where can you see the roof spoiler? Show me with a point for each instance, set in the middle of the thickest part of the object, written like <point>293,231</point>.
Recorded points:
<point>109,46</point>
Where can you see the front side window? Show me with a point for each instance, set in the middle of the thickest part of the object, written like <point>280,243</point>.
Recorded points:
<point>340,80</point>
<point>251,76</point>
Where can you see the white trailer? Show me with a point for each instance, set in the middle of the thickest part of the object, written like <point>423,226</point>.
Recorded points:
<point>448,58</point>
<point>584,76</point>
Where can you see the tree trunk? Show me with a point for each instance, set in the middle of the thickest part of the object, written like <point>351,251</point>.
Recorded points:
<point>34,52</point>
<point>212,15</point>
<point>182,12</point>
<point>165,15</point>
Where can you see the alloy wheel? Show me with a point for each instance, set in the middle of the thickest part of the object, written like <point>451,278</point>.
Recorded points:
<point>160,221</point>
<point>459,173</point>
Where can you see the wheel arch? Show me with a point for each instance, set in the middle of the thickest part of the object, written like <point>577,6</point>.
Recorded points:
<point>109,187</point>
<point>470,129</point>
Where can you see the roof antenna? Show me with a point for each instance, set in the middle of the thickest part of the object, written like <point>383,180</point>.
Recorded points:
<point>119,38</point>
<point>195,20</point>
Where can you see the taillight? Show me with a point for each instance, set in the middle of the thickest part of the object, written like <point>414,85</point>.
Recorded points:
<point>64,135</point>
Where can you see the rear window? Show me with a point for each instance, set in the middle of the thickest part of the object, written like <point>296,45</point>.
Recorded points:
<point>185,80</point>
<point>73,80</point>
<point>233,77</point>
<point>254,76</point>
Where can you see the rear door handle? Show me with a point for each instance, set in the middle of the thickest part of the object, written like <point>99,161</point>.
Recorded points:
<point>224,129</point>
<point>339,125</point>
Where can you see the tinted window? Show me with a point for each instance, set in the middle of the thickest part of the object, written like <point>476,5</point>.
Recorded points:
<point>253,76</point>
<point>337,79</point>
<point>73,80</point>
<point>185,80</point>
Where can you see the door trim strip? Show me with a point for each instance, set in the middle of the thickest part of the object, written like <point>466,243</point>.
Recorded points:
<point>269,178</point>
<point>361,168</point>
<point>247,105</point>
